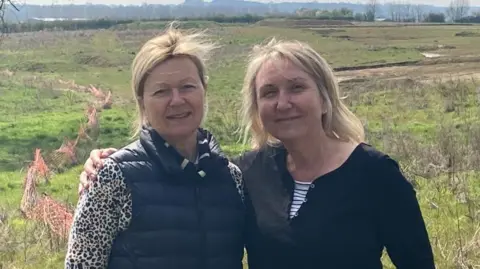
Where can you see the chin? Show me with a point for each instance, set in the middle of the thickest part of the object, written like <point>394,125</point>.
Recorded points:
<point>181,131</point>
<point>289,135</point>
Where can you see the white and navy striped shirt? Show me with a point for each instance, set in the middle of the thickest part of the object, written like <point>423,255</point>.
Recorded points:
<point>299,196</point>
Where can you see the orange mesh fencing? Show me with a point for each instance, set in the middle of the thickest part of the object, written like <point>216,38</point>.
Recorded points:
<point>40,165</point>
<point>92,118</point>
<point>44,208</point>
<point>107,103</point>
<point>53,213</point>
<point>82,134</point>
<point>29,198</point>
<point>104,100</point>
<point>96,92</point>
<point>68,148</point>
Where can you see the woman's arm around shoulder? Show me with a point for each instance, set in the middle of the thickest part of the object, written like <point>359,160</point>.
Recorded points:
<point>250,226</point>
<point>238,178</point>
<point>102,211</point>
<point>401,225</point>
<point>245,159</point>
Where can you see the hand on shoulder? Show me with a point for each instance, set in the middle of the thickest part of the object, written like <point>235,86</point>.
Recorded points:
<point>92,166</point>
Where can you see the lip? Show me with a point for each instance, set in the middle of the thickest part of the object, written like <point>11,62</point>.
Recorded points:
<point>179,116</point>
<point>287,119</point>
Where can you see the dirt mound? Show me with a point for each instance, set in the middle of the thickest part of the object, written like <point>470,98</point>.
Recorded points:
<point>305,23</point>
<point>451,60</point>
<point>425,71</point>
<point>467,34</point>
<point>46,67</point>
<point>328,31</point>
<point>427,48</point>
<point>428,61</point>
<point>375,66</point>
<point>92,59</point>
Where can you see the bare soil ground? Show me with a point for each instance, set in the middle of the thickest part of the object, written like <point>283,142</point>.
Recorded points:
<point>467,70</point>
<point>305,23</point>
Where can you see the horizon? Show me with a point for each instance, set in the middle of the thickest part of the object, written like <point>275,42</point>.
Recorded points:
<point>439,3</point>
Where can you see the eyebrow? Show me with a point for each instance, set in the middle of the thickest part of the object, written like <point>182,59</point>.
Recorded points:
<point>266,86</point>
<point>295,79</point>
<point>187,79</point>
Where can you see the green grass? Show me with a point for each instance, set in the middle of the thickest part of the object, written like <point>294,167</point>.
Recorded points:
<point>414,39</point>
<point>432,129</point>
<point>418,111</point>
<point>41,118</point>
<point>28,244</point>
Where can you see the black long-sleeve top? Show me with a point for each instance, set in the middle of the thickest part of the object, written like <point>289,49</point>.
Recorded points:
<point>348,217</point>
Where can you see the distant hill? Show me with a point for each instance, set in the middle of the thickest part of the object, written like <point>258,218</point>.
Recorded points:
<point>191,8</point>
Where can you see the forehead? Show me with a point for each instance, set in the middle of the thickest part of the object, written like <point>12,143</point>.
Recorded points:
<point>279,70</point>
<point>173,71</point>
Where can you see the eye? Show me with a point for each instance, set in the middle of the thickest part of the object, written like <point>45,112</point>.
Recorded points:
<point>268,93</point>
<point>161,92</point>
<point>189,86</point>
<point>298,87</point>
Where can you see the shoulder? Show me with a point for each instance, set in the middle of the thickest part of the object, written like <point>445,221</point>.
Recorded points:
<point>371,157</point>
<point>110,181</point>
<point>109,172</point>
<point>109,190</point>
<point>248,158</point>
<point>240,159</point>
<point>384,172</point>
<point>134,151</point>
<point>212,141</point>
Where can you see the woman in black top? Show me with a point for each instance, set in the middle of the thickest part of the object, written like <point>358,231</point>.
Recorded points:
<point>317,195</point>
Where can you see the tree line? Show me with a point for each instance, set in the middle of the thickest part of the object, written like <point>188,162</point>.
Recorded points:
<point>72,25</point>
<point>400,11</point>
<point>404,11</point>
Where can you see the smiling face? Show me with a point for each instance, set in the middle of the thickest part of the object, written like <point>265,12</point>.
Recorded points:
<point>173,98</point>
<point>288,100</point>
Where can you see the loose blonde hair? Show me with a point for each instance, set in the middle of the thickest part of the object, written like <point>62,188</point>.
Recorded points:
<point>338,122</point>
<point>171,43</point>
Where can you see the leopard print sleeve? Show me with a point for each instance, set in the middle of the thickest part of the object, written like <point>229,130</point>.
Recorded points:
<point>238,178</point>
<point>102,212</point>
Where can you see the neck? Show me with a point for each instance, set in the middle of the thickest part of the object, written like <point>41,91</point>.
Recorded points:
<point>309,151</point>
<point>186,147</point>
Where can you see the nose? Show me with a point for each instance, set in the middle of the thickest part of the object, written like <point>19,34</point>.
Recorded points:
<point>177,98</point>
<point>283,101</point>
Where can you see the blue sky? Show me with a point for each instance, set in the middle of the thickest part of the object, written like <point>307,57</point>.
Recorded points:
<point>108,2</point>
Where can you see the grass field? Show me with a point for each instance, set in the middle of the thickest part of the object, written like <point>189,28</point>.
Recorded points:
<point>426,115</point>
